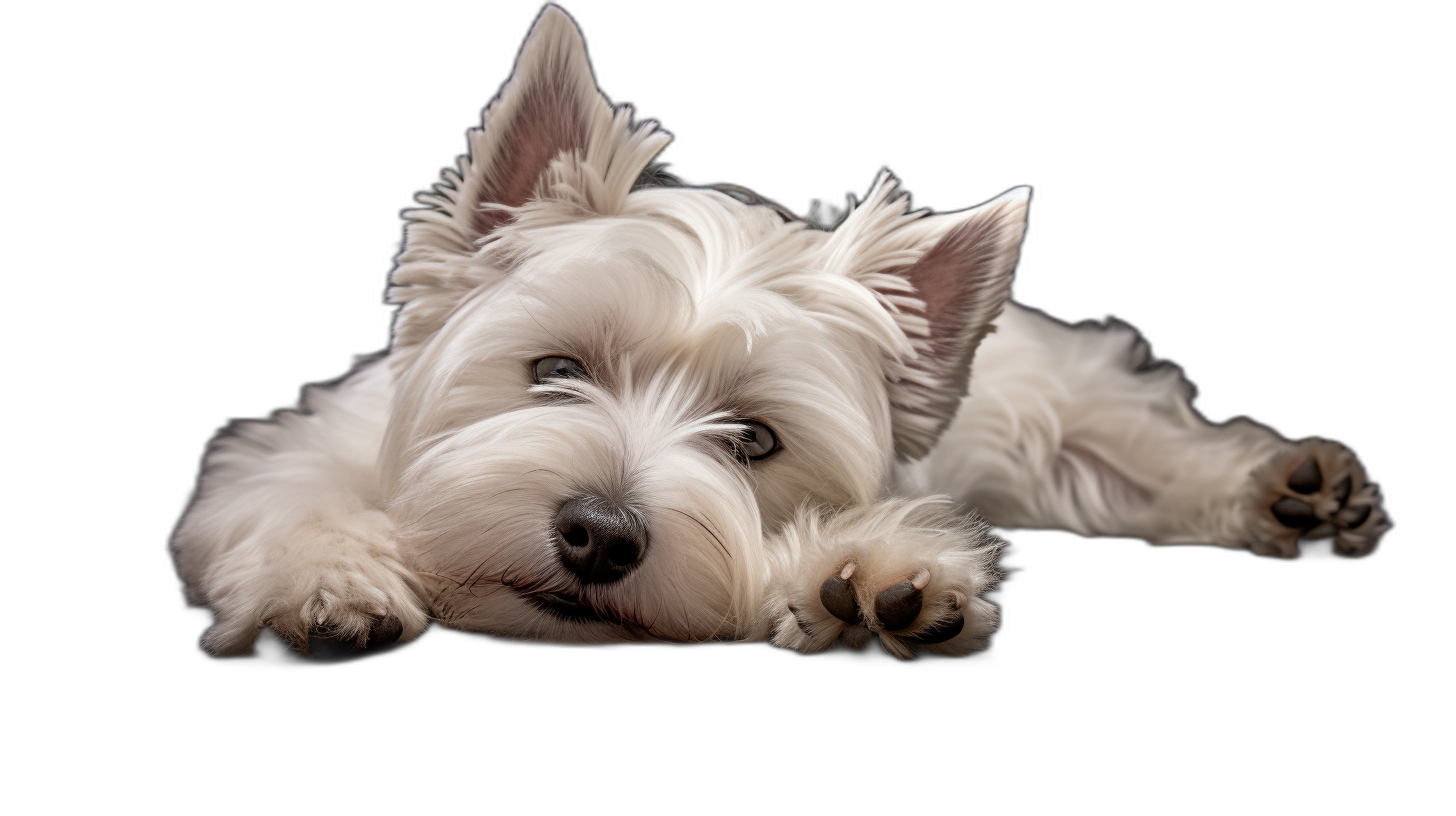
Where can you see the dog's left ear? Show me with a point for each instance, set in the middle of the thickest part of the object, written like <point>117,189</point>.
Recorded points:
<point>548,134</point>
<point>944,278</point>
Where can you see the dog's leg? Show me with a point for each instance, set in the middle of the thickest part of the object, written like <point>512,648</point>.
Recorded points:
<point>286,528</point>
<point>1074,427</point>
<point>910,572</point>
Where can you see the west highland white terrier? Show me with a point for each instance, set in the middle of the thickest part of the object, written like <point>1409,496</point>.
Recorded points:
<point>619,407</point>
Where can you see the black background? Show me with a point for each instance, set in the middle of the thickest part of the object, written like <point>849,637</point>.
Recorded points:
<point>1228,187</point>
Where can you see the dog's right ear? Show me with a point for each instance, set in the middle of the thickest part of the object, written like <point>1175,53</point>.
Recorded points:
<point>943,279</point>
<point>549,116</point>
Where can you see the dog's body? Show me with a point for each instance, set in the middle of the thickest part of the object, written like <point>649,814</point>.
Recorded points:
<point>618,407</point>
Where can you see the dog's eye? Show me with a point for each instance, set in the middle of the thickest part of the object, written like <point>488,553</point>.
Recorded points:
<point>556,368</point>
<point>756,440</point>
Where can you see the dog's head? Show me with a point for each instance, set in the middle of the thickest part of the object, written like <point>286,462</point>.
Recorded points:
<point>611,389</point>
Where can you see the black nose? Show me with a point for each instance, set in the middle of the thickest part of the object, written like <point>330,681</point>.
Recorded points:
<point>599,540</point>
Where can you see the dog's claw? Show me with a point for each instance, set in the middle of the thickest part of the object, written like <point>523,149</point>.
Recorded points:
<point>1306,478</point>
<point>898,606</point>
<point>858,638</point>
<point>837,595</point>
<point>1294,514</point>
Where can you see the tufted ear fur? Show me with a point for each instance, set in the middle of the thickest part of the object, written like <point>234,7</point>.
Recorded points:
<point>944,278</point>
<point>548,134</point>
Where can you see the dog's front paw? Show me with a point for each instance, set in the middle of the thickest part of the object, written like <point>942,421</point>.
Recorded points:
<point>928,608</point>
<point>1317,490</point>
<point>910,573</point>
<point>347,610</point>
<point>326,593</point>
<point>354,634</point>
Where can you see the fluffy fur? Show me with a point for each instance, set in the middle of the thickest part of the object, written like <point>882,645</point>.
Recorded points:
<point>437,481</point>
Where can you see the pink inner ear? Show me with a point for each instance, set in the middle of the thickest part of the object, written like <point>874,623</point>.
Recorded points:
<point>957,280</point>
<point>942,281</point>
<point>964,280</point>
<point>966,277</point>
<point>545,120</point>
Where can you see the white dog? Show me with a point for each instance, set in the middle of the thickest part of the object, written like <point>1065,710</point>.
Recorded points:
<point>619,407</point>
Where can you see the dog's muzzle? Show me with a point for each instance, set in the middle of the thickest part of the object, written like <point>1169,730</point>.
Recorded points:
<point>598,539</point>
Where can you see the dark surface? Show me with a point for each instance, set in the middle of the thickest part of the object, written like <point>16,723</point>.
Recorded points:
<point>1228,191</point>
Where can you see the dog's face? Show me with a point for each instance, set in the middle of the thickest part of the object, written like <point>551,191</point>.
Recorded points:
<point>609,392</point>
<point>664,383</point>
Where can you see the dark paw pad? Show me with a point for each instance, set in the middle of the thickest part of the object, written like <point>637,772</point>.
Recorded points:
<point>385,632</point>
<point>329,641</point>
<point>898,606</point>
<point>1307,478</point>
<point>897,609</point>
<point>1319,528</point>
<point>837,595</point>
<point>940,632</point>
<point>1294,514</point>
<point>858,638</point>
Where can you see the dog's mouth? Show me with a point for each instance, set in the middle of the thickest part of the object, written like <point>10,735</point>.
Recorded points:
<point>562,606</point>
<point>569,605</point>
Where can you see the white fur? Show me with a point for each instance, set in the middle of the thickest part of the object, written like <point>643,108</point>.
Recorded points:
<point>424,484</point>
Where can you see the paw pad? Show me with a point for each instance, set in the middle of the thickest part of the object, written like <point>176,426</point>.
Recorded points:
<point>1319,519</point>
<point>384,630</point>
<point>896,611</point>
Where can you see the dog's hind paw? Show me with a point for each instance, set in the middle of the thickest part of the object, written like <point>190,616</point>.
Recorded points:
<point>909,573</point>
<point>1316,490</point>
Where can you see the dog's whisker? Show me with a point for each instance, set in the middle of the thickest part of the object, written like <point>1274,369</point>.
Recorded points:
<point>562,345</point>
<point>717,539</point>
